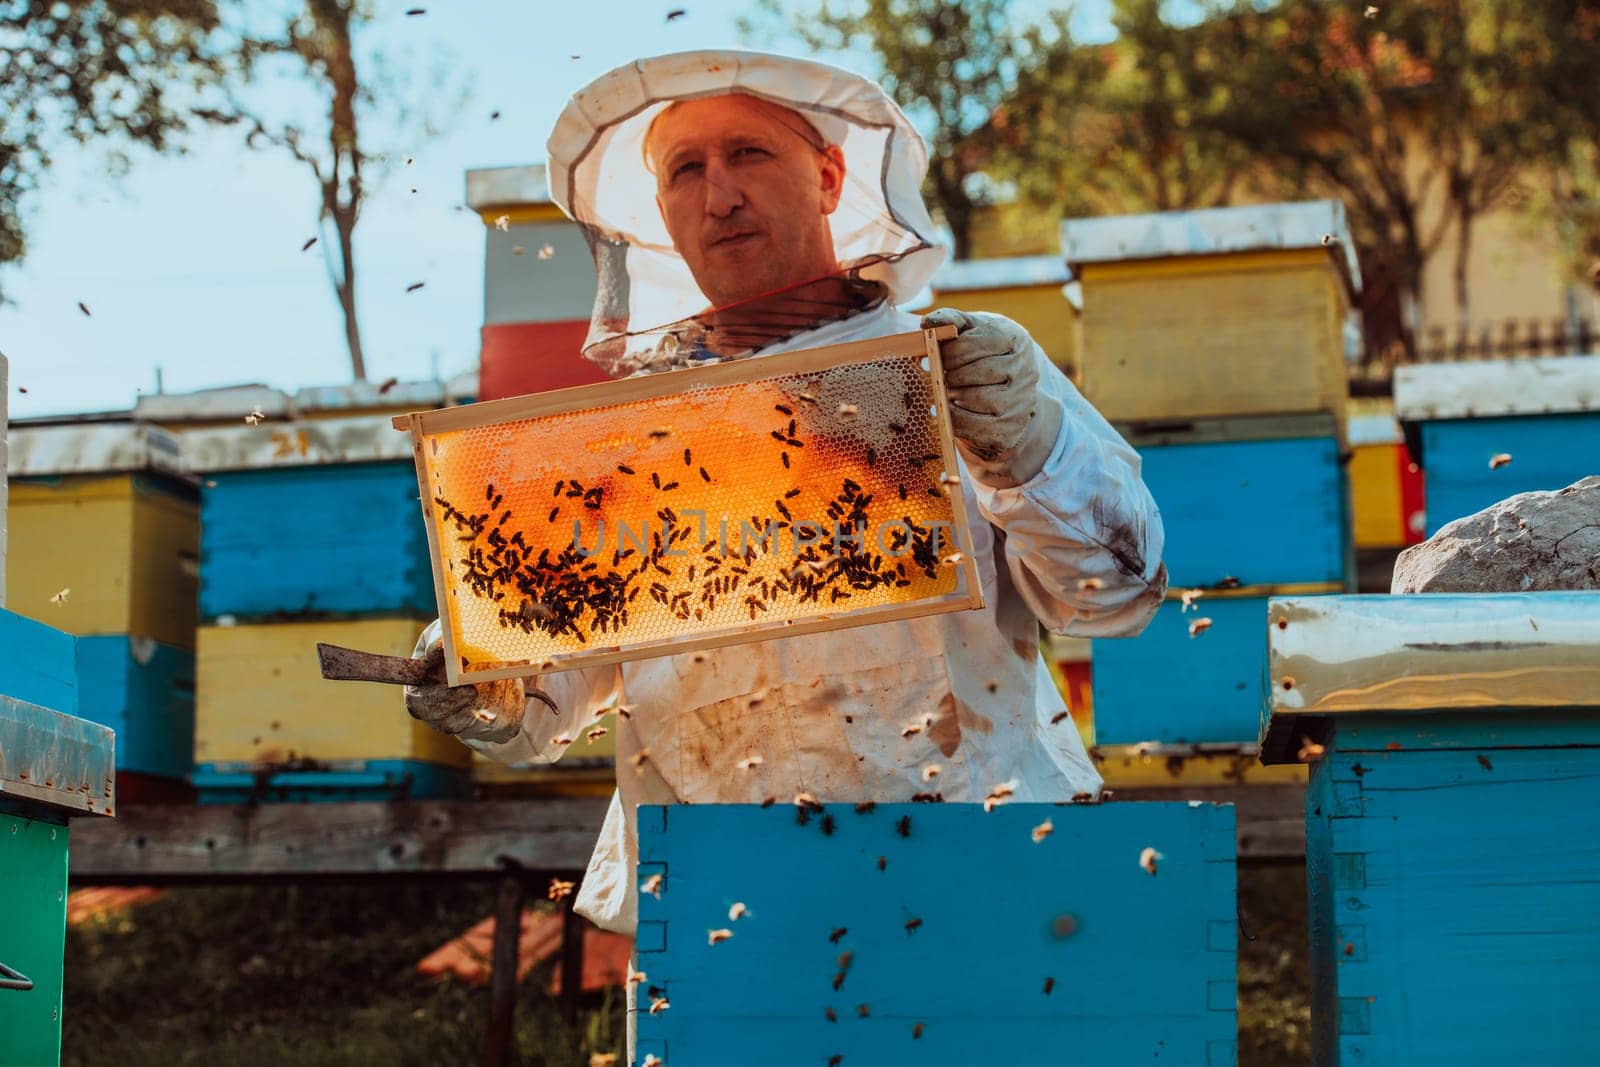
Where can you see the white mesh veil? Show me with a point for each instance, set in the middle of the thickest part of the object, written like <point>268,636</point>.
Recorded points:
<point>646,310</point>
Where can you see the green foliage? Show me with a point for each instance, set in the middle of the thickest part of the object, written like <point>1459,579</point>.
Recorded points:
<point>119,71</point>
<point>312,975</point>
<point>952,67</point>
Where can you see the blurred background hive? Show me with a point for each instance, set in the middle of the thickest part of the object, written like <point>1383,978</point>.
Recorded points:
<point>310,532</point>
<point>538,286</point>
<point>1215,342</point>
<point>105,531</point>
<point>1544,414</point>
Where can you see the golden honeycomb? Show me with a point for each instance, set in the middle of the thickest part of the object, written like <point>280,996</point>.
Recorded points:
<point>715,512</point>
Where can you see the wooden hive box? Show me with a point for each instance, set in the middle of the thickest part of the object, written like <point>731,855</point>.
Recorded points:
<point>1225,311</point>
<point>54,766</point>
<point>308,519</point>
<point>1450,821</point>
<point>268,724</point>
<point>878,937</point>
<point>1030,290</point>
<point>104,511</point>
<point>1385,483</point>
<point>1256,502</point>
<point>144,690</point>
<point>1542,413</point>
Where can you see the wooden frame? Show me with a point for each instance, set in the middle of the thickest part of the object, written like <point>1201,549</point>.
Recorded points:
<point>967,593</point>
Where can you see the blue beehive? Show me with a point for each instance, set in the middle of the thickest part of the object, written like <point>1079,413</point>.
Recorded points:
<point>1542,413</point>
<point>143,690</point>
<point>1450,850</point>
<point>313,541</point>
<point>1265,511</point>
<point>938,934</point>
<point>1257,506</point>
<point>36,664</point>
<point>1168,687</point>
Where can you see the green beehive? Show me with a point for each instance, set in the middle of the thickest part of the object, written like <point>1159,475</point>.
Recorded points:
<point>53,766</point>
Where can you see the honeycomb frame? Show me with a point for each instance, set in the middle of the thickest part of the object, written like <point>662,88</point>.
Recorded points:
<point>509,609</point>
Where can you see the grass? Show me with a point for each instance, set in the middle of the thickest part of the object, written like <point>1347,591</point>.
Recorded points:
<point>311,975</point>
<point>321,975</point>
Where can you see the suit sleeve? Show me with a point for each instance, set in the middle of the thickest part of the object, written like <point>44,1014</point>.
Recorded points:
<point>1083,537</point>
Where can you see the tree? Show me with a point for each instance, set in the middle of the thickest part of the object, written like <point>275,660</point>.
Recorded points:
<point>952,67</point>
<point>360,90</point>
<point>121,72</point>
<point>1125,127</point>
<point>1414,114</point>
<point>1562,38</point>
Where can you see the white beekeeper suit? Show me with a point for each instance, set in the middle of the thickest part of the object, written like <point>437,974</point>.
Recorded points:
<point>1076,547</point>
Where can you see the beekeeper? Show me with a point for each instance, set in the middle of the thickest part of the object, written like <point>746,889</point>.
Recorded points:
<point>740,204</point>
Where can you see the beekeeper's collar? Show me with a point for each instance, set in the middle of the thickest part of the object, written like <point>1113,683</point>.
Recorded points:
<point>644,311</point>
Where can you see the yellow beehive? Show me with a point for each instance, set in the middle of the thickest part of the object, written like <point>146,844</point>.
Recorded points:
<point>1025,289</point>
<point>1207,314</point>
<point>100,512</point>
<point>789,494</point>
<point>261,697</point>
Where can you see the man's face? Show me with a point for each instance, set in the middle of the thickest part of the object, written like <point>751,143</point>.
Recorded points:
<point>745,188</point>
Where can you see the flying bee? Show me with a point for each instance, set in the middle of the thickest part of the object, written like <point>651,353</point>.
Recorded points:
<point>903,827</point>
<point>1500,460</point>
<point>1089,584</point>
<point>560,890</point>
<point>658,1005</point>
<point>912,924</point>
<point>1310,751</point>
<point>848,411</point>
<point>652,885</point>
<point>1148,860</point>
<point>737,912</point>
<point>749,762</point>
<point>1042,831</point>
<point>660,432</point>
<point>596,734</point>
<point>930,772</point>
<point>863,1011</point>
<point>714,936</point>
<point>1199,626</point>
<point>838,934</point>
<point>1049,984</point>
<point>642,756</point>
<point>1189,596</point>
<point>916,1031</point>
<point>1058,716</point>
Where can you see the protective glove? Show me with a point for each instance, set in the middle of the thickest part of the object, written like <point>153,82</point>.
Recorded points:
<point>484,711</point>
<point>1004,425</point>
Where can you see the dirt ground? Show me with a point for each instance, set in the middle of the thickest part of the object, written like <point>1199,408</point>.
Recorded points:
<point>322,976</point>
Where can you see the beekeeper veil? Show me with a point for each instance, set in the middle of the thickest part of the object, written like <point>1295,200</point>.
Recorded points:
<point>649,312</point>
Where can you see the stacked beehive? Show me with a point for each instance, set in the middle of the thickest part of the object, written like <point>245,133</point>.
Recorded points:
<point>1450,857</point>
<point>1491,430</point>
<point>538,286</point>
<point>310,532</point>
<point>1216,342</point>
<point>104,544</point>
<point>53,766</point>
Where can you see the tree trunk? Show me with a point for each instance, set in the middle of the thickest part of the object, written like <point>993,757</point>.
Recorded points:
<point>344,220</point>
<point>1464,217</point>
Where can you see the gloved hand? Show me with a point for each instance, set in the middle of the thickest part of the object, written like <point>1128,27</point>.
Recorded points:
<point>1004,426</point>
<point>484,711</point>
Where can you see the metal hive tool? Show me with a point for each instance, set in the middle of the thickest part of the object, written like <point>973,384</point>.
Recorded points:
<point>694,508</point>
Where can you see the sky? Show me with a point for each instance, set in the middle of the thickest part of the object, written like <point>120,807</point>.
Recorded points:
<point>192,264</point>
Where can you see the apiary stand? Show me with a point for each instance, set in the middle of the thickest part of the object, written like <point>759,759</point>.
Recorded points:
<point>1450,848</point>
